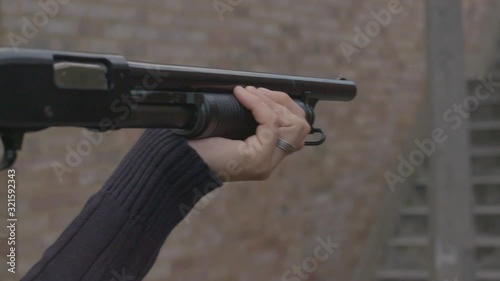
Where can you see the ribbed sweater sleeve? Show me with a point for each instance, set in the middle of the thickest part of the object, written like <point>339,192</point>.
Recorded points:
<point>118,234</point>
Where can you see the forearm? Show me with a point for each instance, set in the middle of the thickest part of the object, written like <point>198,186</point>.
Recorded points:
<point>122,228</point>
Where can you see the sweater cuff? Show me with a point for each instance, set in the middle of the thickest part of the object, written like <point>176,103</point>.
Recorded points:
<point>161,169</point>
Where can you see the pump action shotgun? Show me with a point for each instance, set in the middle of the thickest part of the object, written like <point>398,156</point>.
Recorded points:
<point>42,88</point>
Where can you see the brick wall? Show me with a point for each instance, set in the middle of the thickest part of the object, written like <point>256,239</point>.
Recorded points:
<point>483,37</point>
<point>251,231</point>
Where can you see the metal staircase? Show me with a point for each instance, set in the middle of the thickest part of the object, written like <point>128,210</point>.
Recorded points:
<point>406,251</point>
<point>444,223</point>
<point>485,170</point>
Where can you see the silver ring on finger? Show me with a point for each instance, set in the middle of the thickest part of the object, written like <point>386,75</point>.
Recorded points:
<point>285,146</point>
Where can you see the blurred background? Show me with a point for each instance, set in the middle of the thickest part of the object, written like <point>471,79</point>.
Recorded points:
<point>338,191</point>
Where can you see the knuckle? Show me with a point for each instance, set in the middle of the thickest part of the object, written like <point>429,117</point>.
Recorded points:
<point>285,112</point>
<point>306,127</point>
<point>302,125</point>
<point>278,108</point>
<point>263,91</point>
<point>283,97</point>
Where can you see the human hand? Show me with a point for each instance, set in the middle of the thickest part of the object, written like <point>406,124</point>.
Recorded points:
<point>278,116</point>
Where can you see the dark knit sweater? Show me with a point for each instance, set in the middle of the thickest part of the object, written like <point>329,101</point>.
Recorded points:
<point>119,232</point>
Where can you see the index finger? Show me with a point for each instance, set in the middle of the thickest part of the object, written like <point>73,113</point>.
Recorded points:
<point>260,110</point>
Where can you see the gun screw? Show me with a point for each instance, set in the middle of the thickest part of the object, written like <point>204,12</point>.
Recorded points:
<point>48,111</point>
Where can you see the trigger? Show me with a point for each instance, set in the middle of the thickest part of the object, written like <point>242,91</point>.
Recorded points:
<point>320,141</point>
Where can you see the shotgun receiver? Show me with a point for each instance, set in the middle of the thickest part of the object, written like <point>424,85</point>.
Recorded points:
<point>41,89</point>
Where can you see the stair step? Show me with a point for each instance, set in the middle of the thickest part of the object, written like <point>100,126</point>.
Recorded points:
<point>424,242</point>
<point>493,242</point>
<point>492,100</point>
<point>403,274</point>
<point>485,151</point>
<point>485,125</point>
<point>472,84</point>
<point>485,180</point>
<point>487,210</point>
<point>408,242</point>
<point>484,275</point>
<point>415,211</point>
